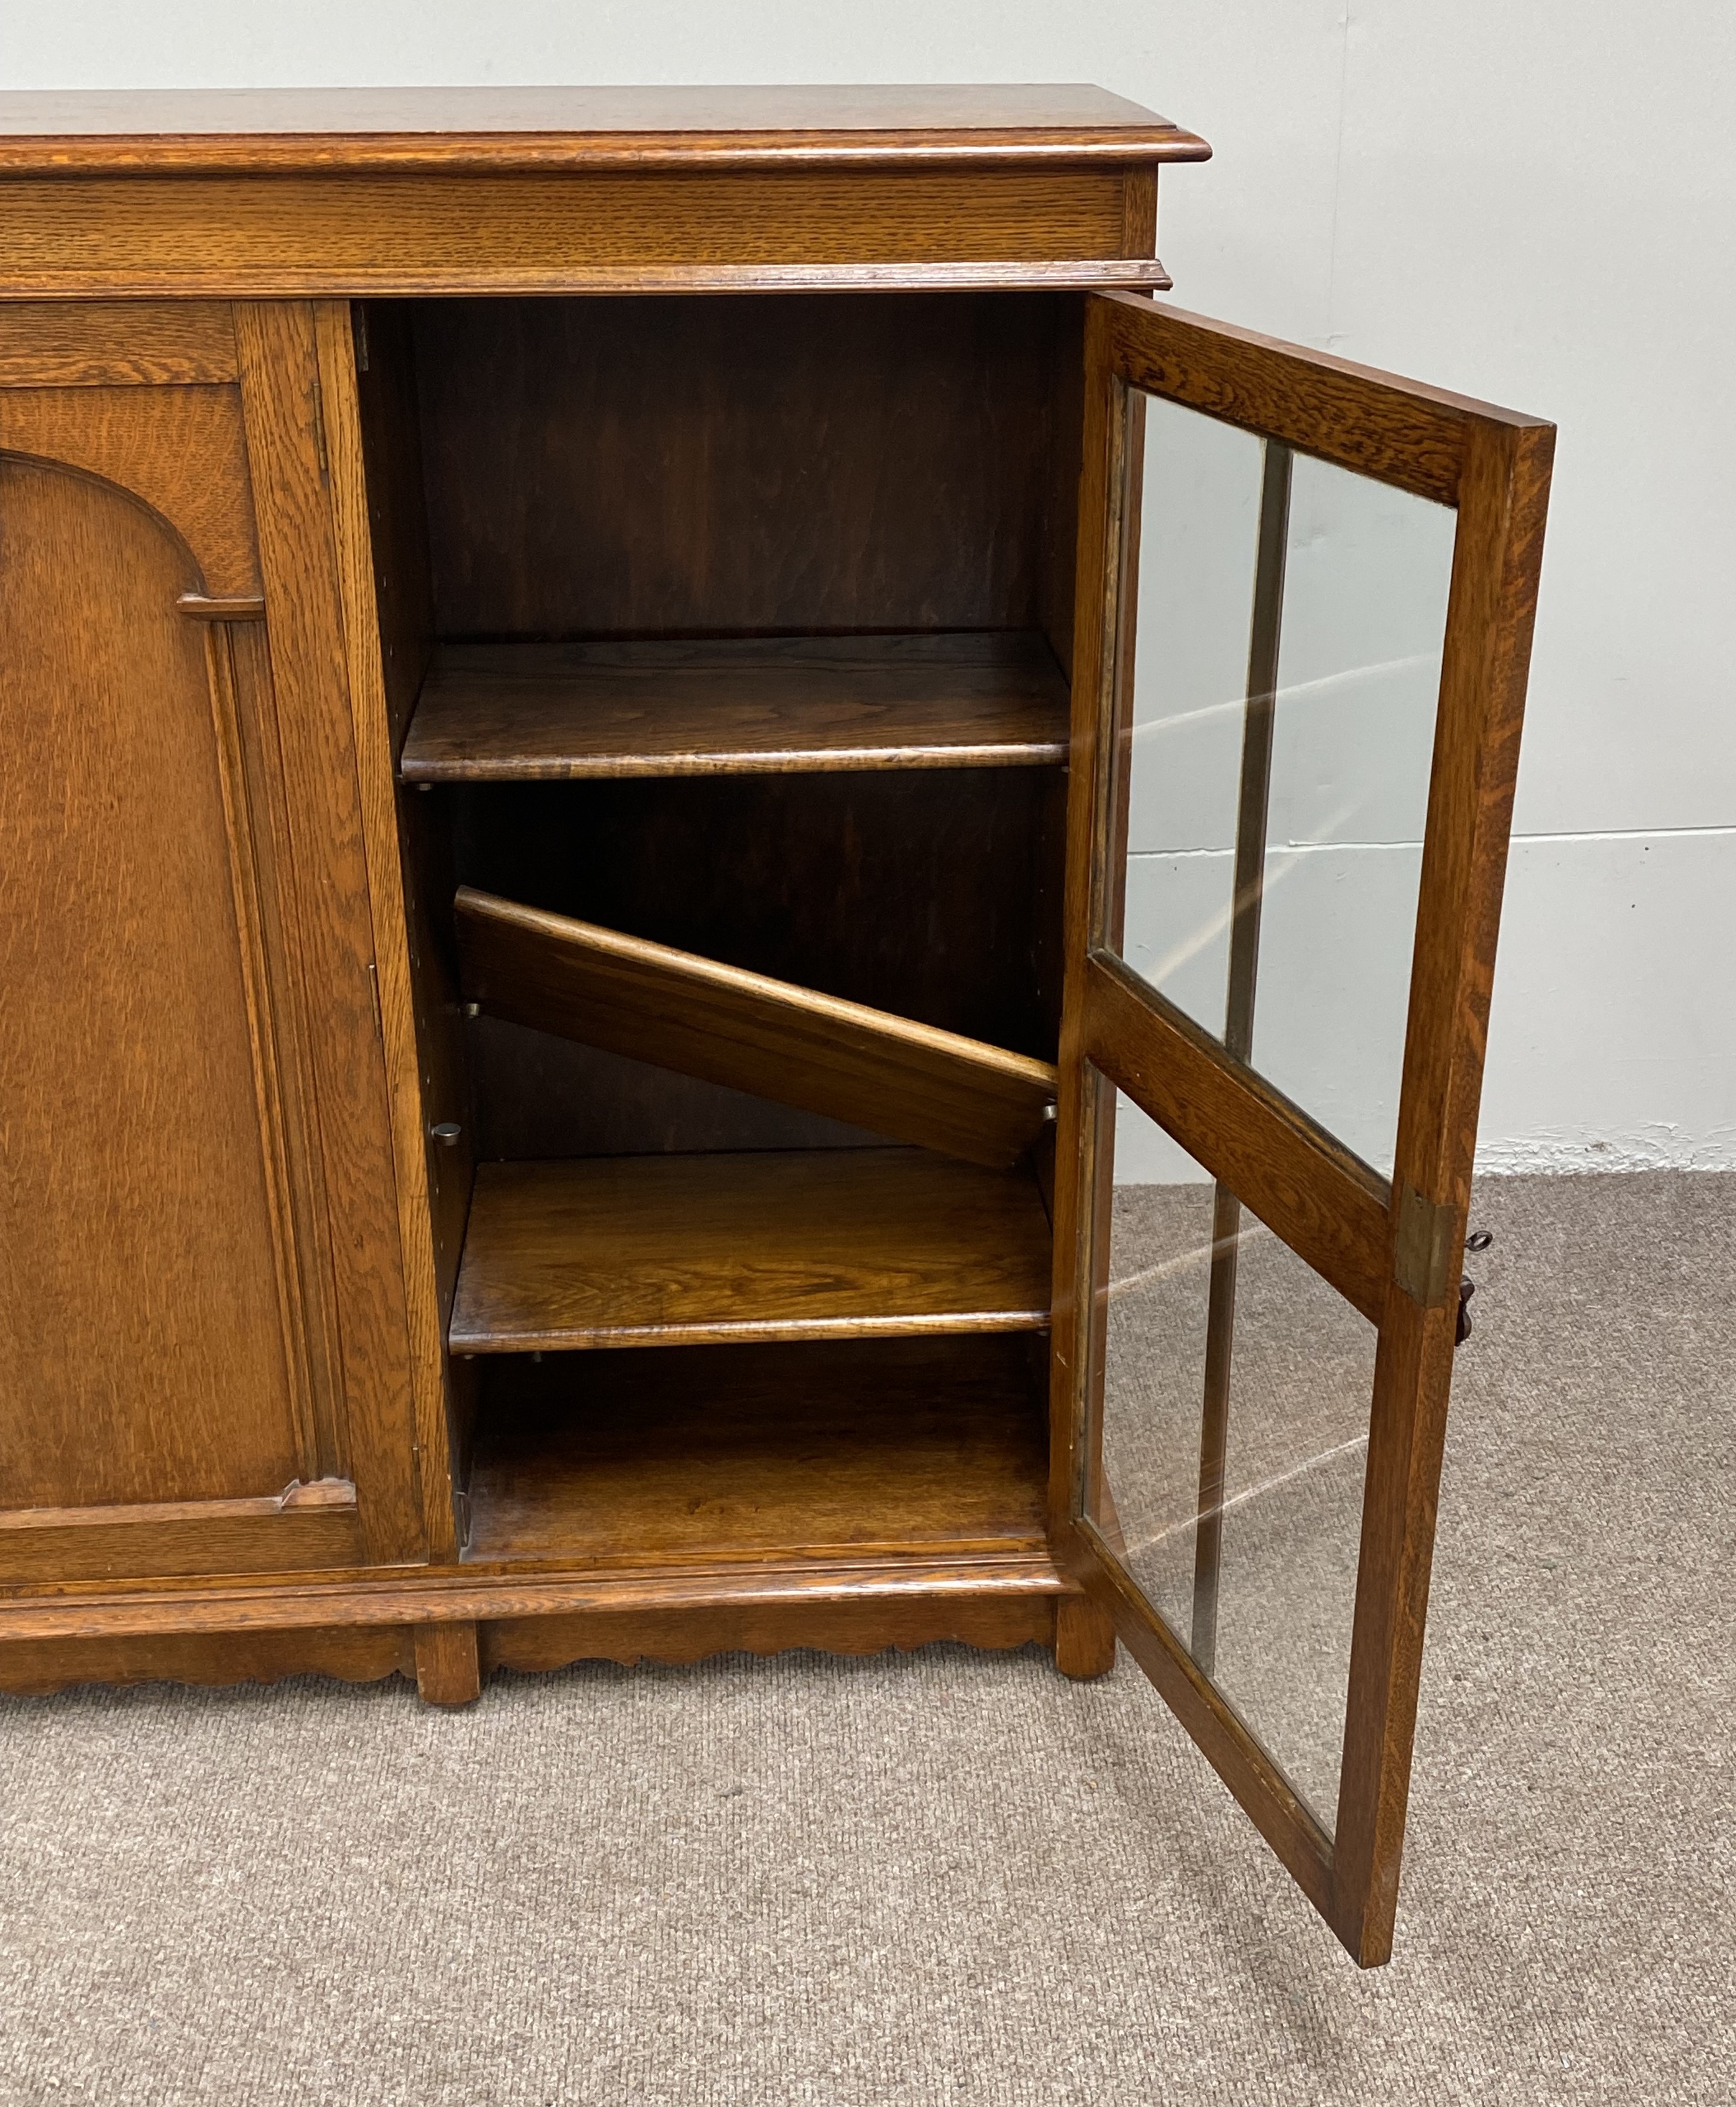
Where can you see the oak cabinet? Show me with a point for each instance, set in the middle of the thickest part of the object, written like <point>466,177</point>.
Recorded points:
<point>711,851</point>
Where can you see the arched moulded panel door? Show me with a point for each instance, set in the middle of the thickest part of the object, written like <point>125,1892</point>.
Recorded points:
<point>144,1354</point>
<point>173,1393</point>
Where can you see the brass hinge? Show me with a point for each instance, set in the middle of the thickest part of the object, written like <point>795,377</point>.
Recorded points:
<point>1423,1253</point>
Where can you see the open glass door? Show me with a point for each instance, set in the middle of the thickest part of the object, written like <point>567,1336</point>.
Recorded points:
<point>1306,593</point>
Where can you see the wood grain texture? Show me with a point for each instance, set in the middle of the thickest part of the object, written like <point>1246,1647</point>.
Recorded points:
<point>434,1594</point>
<point>289,465</point>
<point>258,1536</point>
<point>1491,611</point>
<point>348,233</point>
<point>751,1033</point>
<point>242,720</point>
<point>403,599</point>
<point>552,713</point>
<point>1083,1127</point>
<point>267,892</point>
<point>1084,1638</point>
<point>385,380</point>
<point>666,1251</point>
<point>301,1496</point>
<point>385,638</point>
<point>144,1354</point>
<point>177,451</point>
<point>910,1445</point>
<point>1139,210</point>
<point>354,1653</point>
<point>1327,1205</point>
<point>705,468</point>
<point>532,1644</point>
<point>278,129</point>
<point>1057,580</point>
<point>59,344</point>
<point>1398,431</point>
<point>448,1670</point>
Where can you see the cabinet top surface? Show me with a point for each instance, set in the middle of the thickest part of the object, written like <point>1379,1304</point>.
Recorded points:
<point>186,130</point>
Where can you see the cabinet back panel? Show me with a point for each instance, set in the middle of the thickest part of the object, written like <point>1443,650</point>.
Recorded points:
<point>540,1096</point>
<point>933,894</point>
<point>142,1353</point>
<point>715,465</point>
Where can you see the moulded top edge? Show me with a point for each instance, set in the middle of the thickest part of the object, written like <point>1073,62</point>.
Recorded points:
<point>174,131</point>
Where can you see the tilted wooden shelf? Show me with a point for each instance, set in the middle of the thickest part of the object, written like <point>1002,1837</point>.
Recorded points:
<point>914,1446</point>
<point>542,712</point>
<point>789,1244</point>
<point>749,1032</point>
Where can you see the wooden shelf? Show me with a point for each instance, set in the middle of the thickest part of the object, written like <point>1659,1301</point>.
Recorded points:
<point>912,1447</point>
<point>542,712</point>
<point>747,1031</point>
<point>700,1250</point>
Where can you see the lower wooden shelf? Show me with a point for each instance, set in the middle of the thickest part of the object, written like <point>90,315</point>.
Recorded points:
<point>906,1449</point>
<point>656,1250</point>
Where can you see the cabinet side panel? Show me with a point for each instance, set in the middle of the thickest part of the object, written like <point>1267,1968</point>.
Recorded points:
<point>368,390</point>
<point>142,1340</point>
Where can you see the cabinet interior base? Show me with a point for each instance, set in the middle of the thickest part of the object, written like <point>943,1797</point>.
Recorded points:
<point>902,1447</point>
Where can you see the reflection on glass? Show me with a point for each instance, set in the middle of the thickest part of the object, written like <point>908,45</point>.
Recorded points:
<point>1290,617</point>
<point>1235,1409</point>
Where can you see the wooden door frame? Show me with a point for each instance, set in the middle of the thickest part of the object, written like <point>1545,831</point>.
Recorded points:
<point>1391,1250</point>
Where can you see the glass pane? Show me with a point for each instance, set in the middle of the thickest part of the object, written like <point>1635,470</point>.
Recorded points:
<point>1336,608</point>
<point>1268,1614</point>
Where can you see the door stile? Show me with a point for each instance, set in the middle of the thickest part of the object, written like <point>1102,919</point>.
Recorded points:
<point>1111,495</point>
<point>1083,1136</point>
<point>1490,612</point>
<point>298,1269</point>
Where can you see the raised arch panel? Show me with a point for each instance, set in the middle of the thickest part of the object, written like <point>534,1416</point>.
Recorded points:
<point>147,1331</point>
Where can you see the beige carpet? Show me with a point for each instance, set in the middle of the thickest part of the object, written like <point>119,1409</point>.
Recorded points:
<point>955,1878</point>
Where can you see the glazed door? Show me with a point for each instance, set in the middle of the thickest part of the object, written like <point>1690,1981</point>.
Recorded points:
<point>198,1369</point>
<point>1296,721</point>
